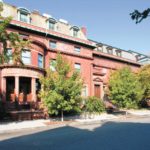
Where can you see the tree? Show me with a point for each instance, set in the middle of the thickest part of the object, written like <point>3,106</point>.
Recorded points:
<point>144,78</point>
<point>124,89</point>
<point>10,39</point>
<point>61,88</point>
<point>139,16</point>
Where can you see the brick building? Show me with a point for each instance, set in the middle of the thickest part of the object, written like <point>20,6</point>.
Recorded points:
<point>48,36</point>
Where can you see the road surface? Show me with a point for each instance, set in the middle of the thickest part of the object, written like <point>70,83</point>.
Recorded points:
<point>122,134</point>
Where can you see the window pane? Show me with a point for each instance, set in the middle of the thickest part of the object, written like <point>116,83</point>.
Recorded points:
<point>77,49</point>
<point>75,33</point>
<point>53,65</point>
<point>23,17</point>
<point>9,54</point>
<point>84,91</point>
<point>52,44</point>
<point>40,60</point>
<point>110,51</point>
<point>51,25</point>
<point>77,67</point>
<point>118,54</point>
<point>26,57</point>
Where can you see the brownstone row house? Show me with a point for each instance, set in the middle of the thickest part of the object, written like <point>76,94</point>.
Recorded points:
<point>48,36</point>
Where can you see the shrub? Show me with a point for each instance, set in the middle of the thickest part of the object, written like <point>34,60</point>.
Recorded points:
<point>94,105</point>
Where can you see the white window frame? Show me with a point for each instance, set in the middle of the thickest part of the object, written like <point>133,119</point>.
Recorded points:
<point>39,61</point>
<point>77,67</point>
<point>85,91</point>
<point>77,50</point>
<point>51,21</point>
<point>25,12</point>
<point>52,43</point>
<point>52,65</point>
<point>75,31</point>
<point>119,53</point>
<point>9,54</point>
<point>26,57</point>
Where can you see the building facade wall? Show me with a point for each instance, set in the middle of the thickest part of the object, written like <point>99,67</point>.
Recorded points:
<point>96,65</point>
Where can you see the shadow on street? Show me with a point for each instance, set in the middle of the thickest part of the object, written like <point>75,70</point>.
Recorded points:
<point>108,136</point>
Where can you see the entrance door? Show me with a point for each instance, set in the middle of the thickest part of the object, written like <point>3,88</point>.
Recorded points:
<point>97,90</point>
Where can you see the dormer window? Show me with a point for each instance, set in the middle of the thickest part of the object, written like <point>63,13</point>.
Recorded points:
<point>23,15</point>
<point>51,23</point>
<point>99,47</point>
<point>118,53</point>
<point>75,31</point>
<point>109,50</point>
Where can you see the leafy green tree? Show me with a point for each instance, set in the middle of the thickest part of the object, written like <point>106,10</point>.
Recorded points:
<point>144,78</point>
<point>94,105</point>
<point>61,88</point>
<point>124,88</point>
<point>10,39</point>
<point>139,16</point>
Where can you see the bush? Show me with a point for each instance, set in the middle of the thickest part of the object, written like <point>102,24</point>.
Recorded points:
<point>94,105</point>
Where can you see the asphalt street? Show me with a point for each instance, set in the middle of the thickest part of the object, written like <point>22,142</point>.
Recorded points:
<point>122,134</point>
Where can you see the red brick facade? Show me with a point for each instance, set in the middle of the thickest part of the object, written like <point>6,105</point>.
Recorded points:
<point>95,66</point>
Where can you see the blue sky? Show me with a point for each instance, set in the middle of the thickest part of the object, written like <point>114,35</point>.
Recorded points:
<point>107,21</point>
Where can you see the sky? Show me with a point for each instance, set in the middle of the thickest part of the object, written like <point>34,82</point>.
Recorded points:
<point>107,21</point>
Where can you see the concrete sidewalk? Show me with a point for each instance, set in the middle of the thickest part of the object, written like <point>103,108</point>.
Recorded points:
<point>143,112</point>
<point>19,125</point>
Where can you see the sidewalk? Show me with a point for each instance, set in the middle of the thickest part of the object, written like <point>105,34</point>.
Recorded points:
<point>12,126</point>
<point>18,125</point>
<point>143,112</point>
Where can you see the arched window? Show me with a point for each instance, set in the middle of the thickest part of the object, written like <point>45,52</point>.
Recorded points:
<point>24,15</point>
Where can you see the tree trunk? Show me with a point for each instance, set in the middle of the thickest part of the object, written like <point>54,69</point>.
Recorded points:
<point>62,115</point>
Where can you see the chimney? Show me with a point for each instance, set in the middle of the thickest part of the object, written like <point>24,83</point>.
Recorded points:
<point>36,12</point>
<point>84,30</point>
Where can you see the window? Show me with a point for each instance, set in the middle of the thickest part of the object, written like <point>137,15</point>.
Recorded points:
<point>99,47</point>
<point>109,51</point>
<point>9,54</point>
<point>75,32</point>
<point>38,86</point>
<point>77,50</point>
<point>40,60</point>
<point>26,57</point>
<point>24,15</point>
<point>84,91</point>
<point>51,25</point>
<point>53,65</point>
<point>52,44</point>
<point>118,53</point>
<point>77,67</point>
<point>23,36</point>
